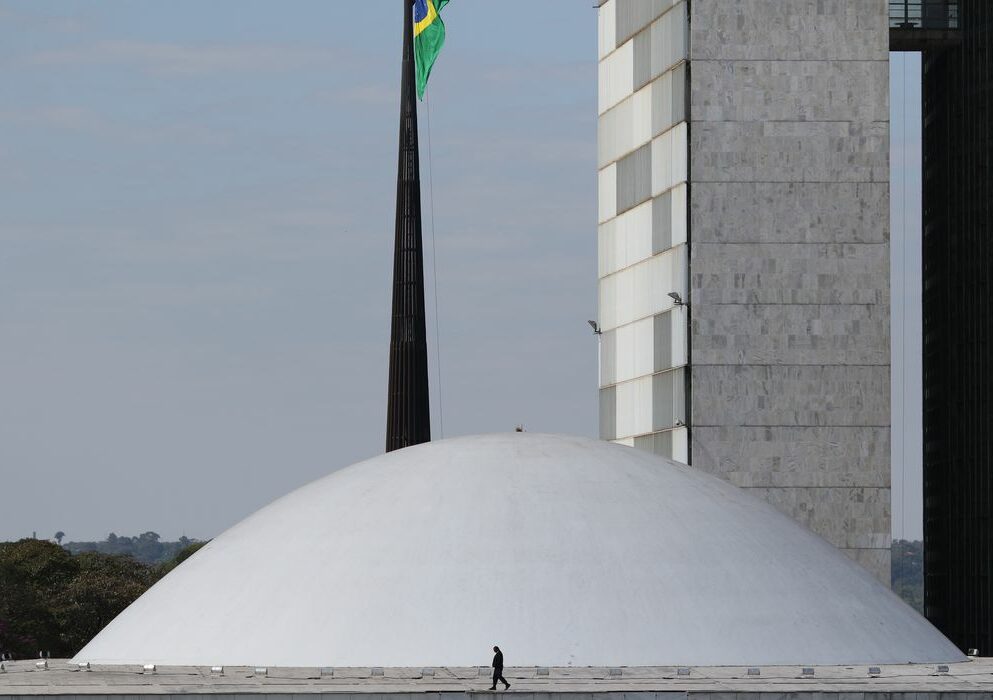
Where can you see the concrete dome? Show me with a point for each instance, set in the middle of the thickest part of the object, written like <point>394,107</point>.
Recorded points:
<point>562,550</point>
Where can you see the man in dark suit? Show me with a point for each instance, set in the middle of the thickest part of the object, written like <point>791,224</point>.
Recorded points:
<point>498,669</point>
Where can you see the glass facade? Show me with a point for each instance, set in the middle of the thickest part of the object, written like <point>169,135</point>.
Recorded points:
<point>958,332</point>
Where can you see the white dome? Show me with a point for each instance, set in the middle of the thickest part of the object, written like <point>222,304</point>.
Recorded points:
<point>562,550</point>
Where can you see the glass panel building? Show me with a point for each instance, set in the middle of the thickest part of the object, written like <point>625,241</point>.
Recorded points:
<point>958,331</point>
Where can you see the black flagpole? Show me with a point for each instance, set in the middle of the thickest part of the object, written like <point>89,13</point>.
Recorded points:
<point>408,416</point>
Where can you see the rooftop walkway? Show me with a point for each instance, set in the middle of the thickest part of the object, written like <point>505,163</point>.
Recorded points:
<point>61,678</point>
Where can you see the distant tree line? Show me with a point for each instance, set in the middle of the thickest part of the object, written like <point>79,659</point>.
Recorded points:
<point>54,601</point>
<point>147,547</point>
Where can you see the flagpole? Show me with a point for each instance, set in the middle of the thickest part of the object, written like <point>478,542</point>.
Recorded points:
<point>408,416</point>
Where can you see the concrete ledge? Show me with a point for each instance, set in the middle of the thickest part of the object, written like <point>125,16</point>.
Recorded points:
<point>857,682</point>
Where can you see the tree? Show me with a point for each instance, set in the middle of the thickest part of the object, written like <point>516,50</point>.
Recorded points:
<point>104,585</point>
<point>52,600</point>
<point>47,565</point>
<point>58,537</point>
<point>32,573</point>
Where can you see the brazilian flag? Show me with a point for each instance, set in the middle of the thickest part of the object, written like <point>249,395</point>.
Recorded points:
<point>429,37</point>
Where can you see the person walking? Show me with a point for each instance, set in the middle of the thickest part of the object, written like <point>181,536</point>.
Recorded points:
<point>498,669</point>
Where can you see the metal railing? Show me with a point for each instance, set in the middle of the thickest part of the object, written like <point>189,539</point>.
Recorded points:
<point>924,14</point>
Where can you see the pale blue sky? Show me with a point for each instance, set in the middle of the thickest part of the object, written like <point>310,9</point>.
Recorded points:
<point>196,221</point>
<point>905,265</point>
<point>196,226</point>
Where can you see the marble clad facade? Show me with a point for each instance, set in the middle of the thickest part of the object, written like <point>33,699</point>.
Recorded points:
<point>743,163</point>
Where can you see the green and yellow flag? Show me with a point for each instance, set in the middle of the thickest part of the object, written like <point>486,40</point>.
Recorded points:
<point>429,37</point>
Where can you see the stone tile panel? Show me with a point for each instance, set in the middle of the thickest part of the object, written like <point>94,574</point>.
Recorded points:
<point>791,334</point>
<point>780,273</point>
<point>789,152</point>
<point>790,395</point>
<point>790,29</point>
<point>790,456</point>
<point>792,212</point>
<point>761,91</point>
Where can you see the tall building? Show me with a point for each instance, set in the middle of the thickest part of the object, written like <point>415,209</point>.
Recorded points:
<point>958,324</point>
<point>744,250</point>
